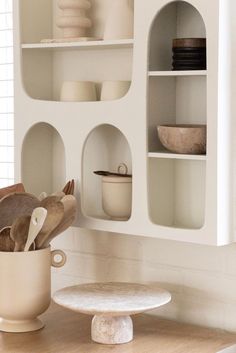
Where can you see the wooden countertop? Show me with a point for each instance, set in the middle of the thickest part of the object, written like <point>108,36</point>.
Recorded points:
<point>68,332</point>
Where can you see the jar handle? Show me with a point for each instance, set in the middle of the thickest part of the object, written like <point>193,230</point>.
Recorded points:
<point>58,263</point>
<point>122,169</point>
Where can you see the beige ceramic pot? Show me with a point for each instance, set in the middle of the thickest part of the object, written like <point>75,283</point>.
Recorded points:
<point>117,197</point>
<point>25,288</point>
<point>78,91</point>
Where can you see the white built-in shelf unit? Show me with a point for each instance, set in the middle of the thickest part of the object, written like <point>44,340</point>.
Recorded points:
<point>177,197</point>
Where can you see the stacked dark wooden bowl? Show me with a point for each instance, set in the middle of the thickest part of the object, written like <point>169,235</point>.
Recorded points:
<point>189,54</point>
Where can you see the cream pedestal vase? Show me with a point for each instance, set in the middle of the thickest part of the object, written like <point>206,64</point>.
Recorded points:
<point>74,21</point>
<point>25,288</point>
<point>120,22</point>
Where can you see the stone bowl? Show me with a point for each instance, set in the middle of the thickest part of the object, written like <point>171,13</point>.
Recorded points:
<point>183,138</point>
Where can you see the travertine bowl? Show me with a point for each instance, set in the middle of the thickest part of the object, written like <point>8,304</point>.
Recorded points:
<point>185,139</point>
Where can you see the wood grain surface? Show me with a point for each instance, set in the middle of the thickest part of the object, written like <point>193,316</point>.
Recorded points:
<point>68,332</point>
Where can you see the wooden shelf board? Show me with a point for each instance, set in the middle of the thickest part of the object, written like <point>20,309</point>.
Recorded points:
<point>99,44</point>
<point>177,73</point>
<point>69,332</point>
<point>163,154</point>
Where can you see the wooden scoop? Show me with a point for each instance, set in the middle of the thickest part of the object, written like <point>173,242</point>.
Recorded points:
<point>16,205</point>
<point>6,243</point>
<point>54,217</point>
<point>19,232</point>
<point>10,189</point>
<point>36,223</point>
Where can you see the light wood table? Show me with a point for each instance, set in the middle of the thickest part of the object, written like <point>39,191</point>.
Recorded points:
<point>68,332</point>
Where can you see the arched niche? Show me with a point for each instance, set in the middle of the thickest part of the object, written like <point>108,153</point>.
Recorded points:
<point>105,148</point>
<point>178,19</point>
<point>43,160</point>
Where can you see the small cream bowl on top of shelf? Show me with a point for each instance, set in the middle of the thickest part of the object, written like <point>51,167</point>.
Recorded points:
<point>78,91</point>
<point>183,138</point>
<point>112,90</point>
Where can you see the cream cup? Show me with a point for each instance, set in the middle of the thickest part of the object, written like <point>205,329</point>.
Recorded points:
<point>78,91</point>
<point>112,90</point>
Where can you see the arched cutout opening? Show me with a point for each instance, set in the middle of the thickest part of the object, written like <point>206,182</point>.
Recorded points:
<point>43,160</point>
<point>105,148</point>
<point>178,19</point>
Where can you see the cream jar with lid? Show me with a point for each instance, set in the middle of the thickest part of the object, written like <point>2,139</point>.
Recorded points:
<point>117,196</point>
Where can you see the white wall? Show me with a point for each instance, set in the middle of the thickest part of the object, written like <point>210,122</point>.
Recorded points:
<point>202,279</point>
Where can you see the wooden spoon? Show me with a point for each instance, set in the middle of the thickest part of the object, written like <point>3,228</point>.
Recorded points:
<point>70,208</point>
<point>36,223</point>
<point>66,223</point>
<point>10,189</point>
<point>19,232</point>
<point>6,243</point>
<point>16,205</point>
<point>54,217</point>
<point>49,200</point>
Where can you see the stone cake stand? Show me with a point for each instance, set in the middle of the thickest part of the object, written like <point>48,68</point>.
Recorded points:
<point>112,304</point>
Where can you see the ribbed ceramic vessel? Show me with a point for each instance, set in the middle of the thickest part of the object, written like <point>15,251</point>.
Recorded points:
<point>73,20</point>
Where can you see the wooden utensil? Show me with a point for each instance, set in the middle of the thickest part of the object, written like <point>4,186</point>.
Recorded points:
<point>19,232</point>
<point>66,223</point>
<point>59,194</point>
<point>72,187</point>
<point>69,187</point>
<point>36,223</point>
<point>10,189</point>
<point>42,196</point>
<point>54,217</point>
<point>69,215</point>
<point>66,187</point>
<point>16,205</point>
<point>6,243</point>
<point>49,200</point>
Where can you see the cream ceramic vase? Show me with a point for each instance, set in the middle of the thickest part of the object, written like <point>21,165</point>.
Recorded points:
<point>73,21</point>
<point>120,21</point>
<point>78,91</point>
<point>112,90</point>
<point>117,197</point>
<point>25,288</point>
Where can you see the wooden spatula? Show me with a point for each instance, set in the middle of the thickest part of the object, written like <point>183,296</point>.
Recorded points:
<point>19,232</point>
<point>36,223</point>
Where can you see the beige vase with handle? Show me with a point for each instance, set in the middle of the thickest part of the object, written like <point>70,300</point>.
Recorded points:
<point>25,288</point>
<point>120,21</point>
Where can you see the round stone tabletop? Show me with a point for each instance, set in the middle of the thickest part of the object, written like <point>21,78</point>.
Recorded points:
<point>114,299</point>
